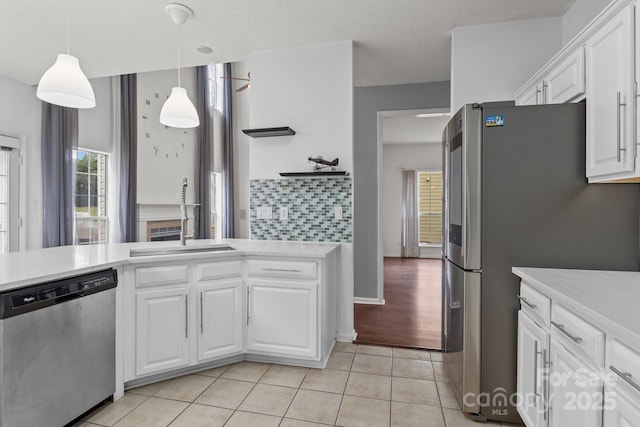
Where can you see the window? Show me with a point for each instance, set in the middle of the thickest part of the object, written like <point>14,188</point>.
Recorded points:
<point>430,207</point>
<point>211,73</point>
<point>90,198</point>
<point>10,222</point>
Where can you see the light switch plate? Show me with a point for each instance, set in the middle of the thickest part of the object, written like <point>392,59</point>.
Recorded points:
<point>338,212</point>
<point>284,213</point>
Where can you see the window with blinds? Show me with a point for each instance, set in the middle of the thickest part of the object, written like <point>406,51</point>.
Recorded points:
<point>430,207</point>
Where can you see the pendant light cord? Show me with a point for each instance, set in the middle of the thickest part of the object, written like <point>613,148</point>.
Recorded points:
<point>66,7</point>
<point>179,44</point>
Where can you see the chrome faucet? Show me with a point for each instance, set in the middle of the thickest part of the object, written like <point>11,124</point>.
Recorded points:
<point>183,221</point>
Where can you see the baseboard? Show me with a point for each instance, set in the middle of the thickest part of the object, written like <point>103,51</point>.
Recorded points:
<point>347,338</point>
<point>372,301</point>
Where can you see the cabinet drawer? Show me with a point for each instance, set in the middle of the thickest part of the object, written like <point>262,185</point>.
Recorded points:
<point>535,304</point>
<point>160,276</point>
<point>218,270</point>
<point>578,334</point>
<point>627,364</point>
<point>285,269</point>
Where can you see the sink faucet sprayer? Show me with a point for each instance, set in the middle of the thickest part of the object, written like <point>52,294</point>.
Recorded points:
<point>183,210</point>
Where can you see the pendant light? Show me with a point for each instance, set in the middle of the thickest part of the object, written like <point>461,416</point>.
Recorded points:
<point>178,110</point>
<point>64,83</point>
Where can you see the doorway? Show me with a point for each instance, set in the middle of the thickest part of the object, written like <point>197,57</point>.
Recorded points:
<point>409,309</point>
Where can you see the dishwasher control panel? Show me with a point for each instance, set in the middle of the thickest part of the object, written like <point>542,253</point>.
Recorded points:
<point>41,295</point>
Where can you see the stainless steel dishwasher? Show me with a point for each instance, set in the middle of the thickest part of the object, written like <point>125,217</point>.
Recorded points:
<point>57,349</point>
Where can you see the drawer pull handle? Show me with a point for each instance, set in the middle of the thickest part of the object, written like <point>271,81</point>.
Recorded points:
<point>287,270</point>
<point>561,328</point>
<point>625,376</point>
<point>524,300</point>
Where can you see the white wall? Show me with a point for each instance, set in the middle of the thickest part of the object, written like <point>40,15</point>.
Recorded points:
<point>490,62</point>
<point>161,169</point>
<point>309,89</point>
<point>20,116</point>
<point>579,15</point>
<point>395,158</point>
<point>95,125</point>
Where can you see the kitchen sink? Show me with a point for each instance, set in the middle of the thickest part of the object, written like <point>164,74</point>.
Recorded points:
<point>179,250</point>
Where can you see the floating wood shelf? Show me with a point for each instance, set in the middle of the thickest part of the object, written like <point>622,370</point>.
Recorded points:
<point>316,174</point>
<point>266,132</point>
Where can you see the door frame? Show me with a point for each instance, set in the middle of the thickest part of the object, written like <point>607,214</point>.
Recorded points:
<point>18,144</point>
<point>381,115</point>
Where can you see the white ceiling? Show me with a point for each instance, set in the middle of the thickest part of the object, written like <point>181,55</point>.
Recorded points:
<point>395,41</point>
<point>409,128</point>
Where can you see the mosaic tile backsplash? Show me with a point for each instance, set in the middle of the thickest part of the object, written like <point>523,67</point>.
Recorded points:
<point>311,206</point>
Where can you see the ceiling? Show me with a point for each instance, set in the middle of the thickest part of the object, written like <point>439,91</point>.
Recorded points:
<point>395,41</point>
<point>411,127</point>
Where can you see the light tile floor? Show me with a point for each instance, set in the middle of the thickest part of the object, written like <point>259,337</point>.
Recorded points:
<point>362,386</point>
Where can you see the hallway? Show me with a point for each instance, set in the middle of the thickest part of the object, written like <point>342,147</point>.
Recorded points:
<point>411,316</point>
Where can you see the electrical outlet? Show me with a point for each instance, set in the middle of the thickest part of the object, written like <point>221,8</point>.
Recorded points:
<point>338,212</point>
<point>284,213</point>
<point>268,212</point>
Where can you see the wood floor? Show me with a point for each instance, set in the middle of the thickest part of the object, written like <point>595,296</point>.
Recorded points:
<point>411,316</point>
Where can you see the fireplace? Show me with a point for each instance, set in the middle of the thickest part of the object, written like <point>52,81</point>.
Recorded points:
<point>163,230</point>
<point>162,222</point>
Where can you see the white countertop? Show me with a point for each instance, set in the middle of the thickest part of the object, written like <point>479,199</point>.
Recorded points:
<point>611,296</point>
<point>18,269</point>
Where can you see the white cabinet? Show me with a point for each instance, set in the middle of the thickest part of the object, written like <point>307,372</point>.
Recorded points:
<point>282,318</point>
<point>211,311</point>
<point>565,81</point>
<point>610,97</point>
<point>575,390</point>
<point>161,329</point>
<point>219,318</point>
<point>530,94</point>
<point>533,353</point>
<point>622,407</point>
<point>562,80</point>
<point>622,391</point>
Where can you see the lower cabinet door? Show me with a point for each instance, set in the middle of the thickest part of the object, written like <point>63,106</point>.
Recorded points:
<point>576,392</point>
<point>282,318</point>
<point>219,318</point>
<point>533,354</point>
<point>621,408</point>
<point>161,330</point>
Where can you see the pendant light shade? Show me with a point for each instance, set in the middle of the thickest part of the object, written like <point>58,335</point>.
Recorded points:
<point>178,111</point>
<point>65,84</point>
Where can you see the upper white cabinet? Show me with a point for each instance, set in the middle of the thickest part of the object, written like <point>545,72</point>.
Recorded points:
<point>600,65</point>
<point>561,81</point>
<point>565,81</point>
<point>610,97</point>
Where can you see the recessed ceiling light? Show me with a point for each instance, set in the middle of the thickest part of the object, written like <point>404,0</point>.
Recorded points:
<point>204,49</point>
<point>425,115</point>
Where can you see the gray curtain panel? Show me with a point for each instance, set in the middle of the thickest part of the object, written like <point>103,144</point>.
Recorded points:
<point>228,229</point>
<point>409,240</point>
<point>59,139</point>
<point>204,159</point>
<point>128,158</point>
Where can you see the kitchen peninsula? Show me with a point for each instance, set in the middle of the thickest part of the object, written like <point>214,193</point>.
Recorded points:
<point>213,302</point>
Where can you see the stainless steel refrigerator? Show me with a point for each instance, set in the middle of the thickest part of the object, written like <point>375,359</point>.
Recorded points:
<point>515,194</point>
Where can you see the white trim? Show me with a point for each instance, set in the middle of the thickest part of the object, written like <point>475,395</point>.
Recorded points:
<point>18,143</point>
<point>371,301</point>
<point>380,116</point>
<point>347,338</point>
